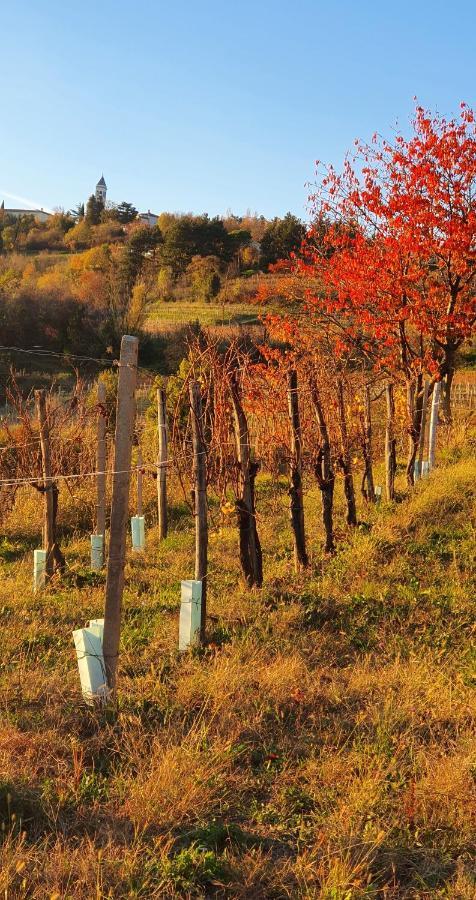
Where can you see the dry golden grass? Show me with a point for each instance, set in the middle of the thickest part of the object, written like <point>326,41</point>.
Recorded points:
<point>322,746</point>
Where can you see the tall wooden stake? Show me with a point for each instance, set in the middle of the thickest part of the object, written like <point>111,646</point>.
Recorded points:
<point>424,410</point>
<point>49,490</point>
<point>390,443</point>
<point>125,415</point>
<point>101,461</point>
<point>200,499</point>
<point>140,503</point>
<point>435,407</point>
<point>162,462</point>
<point>301,559</point>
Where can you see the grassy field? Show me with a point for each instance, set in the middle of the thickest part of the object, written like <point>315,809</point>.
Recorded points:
<point>323,745</point>
<point>182,313</point>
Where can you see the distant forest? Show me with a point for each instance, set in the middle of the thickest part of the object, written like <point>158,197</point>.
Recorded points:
<point>81,279</point>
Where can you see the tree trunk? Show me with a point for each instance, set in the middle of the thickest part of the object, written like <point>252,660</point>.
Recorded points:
<point>344,458</point>
<point>250,547</point>
<point>324,472</point>
<point>390,443</point>
<point>368,487</point>
<point>414,411</point>
<point>301,559</point>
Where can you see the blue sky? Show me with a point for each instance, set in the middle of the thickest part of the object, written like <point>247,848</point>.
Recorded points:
<point>207,105</point>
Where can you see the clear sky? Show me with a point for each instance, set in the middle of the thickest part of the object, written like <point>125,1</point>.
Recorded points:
<point>206,106</point>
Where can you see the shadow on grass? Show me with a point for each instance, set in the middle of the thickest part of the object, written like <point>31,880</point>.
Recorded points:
<point>17,545</point>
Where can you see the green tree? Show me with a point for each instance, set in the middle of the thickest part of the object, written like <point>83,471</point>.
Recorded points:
<point>132,280</point>
<point>126,212</point>
<point>94,209</point>
<point>204,278</point>
<point>282,237</point>
<point>165,283</point>
<point>139,250</point>
<point>77,212</point>
<point>190,236</point>
<point>16,230</point>
<point>79,237</point>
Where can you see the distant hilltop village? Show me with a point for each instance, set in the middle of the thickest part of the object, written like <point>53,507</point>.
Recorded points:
<point>148,218</point>
<point>39,214</point>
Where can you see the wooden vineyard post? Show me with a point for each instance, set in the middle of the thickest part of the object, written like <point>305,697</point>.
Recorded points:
<point>301,559</point>
<point>435,407</point>
<point>125,415</point>
<point>390,443</point>
<point>200,499</point>
<point>49,490</point>
<point>421,445</point>
<point>101,461</point>
<point>162,462</point>
<point>98,540</point>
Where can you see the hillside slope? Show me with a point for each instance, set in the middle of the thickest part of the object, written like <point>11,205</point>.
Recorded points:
<point>323,745</point>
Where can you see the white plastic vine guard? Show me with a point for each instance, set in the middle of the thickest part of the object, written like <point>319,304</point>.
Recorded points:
<point>190,614</point>
<point>39,569</point>
<point>138,532</point>
<point>97,552</point>
<point>92,671</point>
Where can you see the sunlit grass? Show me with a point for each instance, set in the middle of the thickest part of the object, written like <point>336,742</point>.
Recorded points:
<point>323,745</point>
<point>183,312</point>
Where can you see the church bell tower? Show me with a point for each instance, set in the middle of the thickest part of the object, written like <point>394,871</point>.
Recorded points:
<point>101,189</point>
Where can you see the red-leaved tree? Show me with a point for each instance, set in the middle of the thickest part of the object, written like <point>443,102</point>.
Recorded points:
<point>395,270</point>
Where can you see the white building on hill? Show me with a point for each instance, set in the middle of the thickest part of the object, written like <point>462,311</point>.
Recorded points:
<point>39,214</point>
<point>148,218</point>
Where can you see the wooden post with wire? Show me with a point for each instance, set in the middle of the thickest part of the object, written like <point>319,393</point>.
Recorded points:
<point>421,444</point>
<point>434,417</point>
<point>200,499</point>
<point>98,540</point>
<point>54,557</point>
<point>162,462</point>
<point>125,416</point>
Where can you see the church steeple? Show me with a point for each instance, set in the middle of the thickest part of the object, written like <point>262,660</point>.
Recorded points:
<point>101,189</point>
